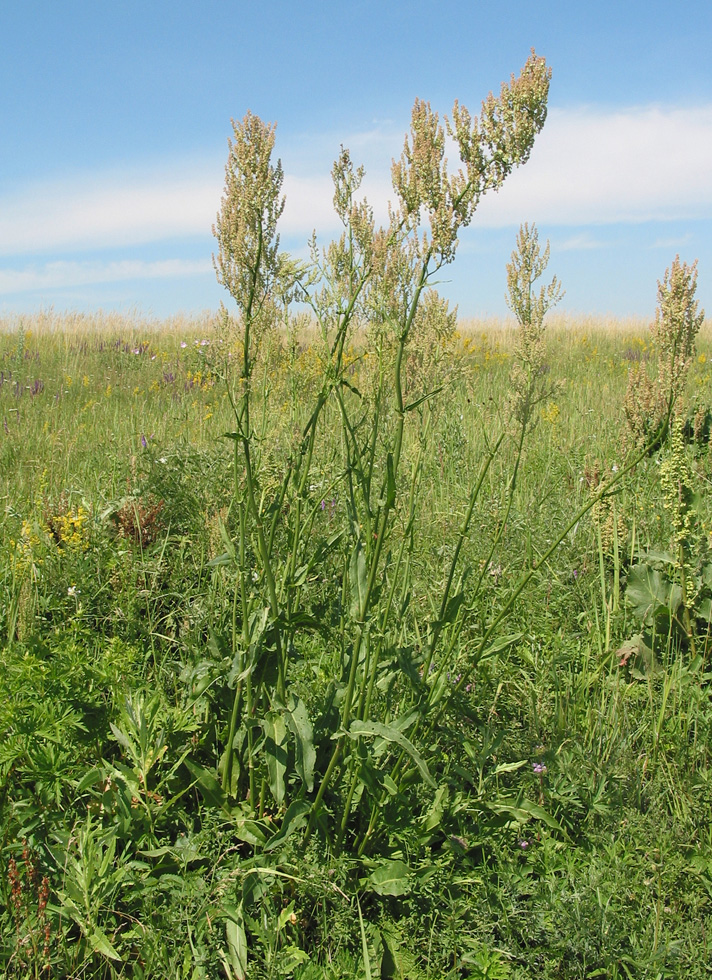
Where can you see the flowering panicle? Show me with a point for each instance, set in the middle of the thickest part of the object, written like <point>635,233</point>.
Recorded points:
<point>678,487</point>
<point>527,265</point>
<point>489,147</point>
<point>650,401</point>
<point>246,226</point>
<point>677,323</point>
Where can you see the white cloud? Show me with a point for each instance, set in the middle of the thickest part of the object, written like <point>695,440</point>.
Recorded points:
<point>106,211</point>
<point>589,166</point>
<point>578,243</point>
<point>61,275</point>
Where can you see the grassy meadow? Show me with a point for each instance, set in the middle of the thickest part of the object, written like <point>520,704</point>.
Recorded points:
<point>438,710</point>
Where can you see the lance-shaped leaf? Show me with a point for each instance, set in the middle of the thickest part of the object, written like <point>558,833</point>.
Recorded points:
<point>236,944</point>
<point>275,730</point>
<point>358,582</point>
<point>391,734</point>
<point>295,714</point>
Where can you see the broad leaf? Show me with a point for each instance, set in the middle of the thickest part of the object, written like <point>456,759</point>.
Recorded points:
<point>649,593</point>
<point>210,788</point>
<point>391,878</point>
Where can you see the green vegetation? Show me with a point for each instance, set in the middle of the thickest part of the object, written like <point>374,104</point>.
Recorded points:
<point>358,641</point>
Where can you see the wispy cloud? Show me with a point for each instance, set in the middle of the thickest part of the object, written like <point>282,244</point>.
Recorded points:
<point>578,243</point>
<point>676,242</point>
<point>589,167</point>
<point>54,275</point>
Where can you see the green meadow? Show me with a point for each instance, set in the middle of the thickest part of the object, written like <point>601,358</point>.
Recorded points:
<point>344,638</point>
<point>551,819</point>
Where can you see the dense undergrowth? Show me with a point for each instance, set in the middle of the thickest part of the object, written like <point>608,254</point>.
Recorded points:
<point>357,641</point>
<point>569,831</point>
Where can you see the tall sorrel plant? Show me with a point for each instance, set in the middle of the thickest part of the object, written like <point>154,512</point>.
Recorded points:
<point>333,773</point>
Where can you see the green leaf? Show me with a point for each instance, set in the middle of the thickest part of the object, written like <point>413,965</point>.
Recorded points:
<point>210,788</point>
<point>89,779</point>
<point>500,645</point>
<point>294,818</point>
<point>391,734</point>
<point>297,718</point>
<point>451,609</point>
<point>357,581</point>
<point>704,610</point>
<point>509,767</point>
<point>224,559</point>
<point>521,811</point>
<point>236,942</point>
<point>539,813</point>
<point>399,962</point>
<point>100,944</point>
<point>433,818</point>
<point>391,878</point>
<point>423,398</point>
<point>649,593</point>
<point>364,945</point>
<point>390,482</point>
<point>121,737</point>
<point>275,730</point>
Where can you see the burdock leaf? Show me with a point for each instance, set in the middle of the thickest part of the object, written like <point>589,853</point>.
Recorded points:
<point>648,593</point>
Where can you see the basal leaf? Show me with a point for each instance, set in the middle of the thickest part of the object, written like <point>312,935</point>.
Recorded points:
<point>391,878</point>
<point>648,592</point>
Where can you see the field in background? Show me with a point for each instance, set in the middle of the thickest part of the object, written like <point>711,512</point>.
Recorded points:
<point>115,486</point>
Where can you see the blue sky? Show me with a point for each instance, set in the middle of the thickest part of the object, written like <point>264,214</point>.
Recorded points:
<point>115,117</point>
